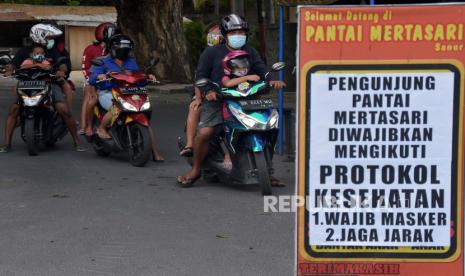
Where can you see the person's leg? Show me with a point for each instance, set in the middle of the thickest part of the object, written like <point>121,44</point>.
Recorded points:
<point>10,125</point>
<point>204,135</point>
<point>93,98</point>
<point>193,118</point>
<point>68,91</point>
<point>102,129</point>
<point>156,156</point>
<point>65,114</point>
<point>85,101</point>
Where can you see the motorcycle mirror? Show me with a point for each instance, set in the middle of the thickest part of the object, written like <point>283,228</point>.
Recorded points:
<point>202,82</point>
<point>97,62</point>
<point>278,66</point>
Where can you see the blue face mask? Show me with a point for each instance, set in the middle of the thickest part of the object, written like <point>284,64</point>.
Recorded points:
<point>236,41</point>
<point>38,57</point>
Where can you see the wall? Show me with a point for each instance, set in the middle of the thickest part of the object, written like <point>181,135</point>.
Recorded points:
<point>78,38</point>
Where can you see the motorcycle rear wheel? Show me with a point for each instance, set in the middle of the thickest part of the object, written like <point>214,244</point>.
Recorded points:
<point>141,150</point>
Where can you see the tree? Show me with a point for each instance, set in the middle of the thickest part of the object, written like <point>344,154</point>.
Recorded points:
<point>157,30</point>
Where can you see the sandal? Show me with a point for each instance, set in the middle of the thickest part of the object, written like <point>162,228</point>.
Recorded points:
<point>187,182</point>
<point>103,136</point>
<point>5,148</point>
<point>81,131</point>
<point>276,182</point>
<point>79,148</point>
<point>187,152</point>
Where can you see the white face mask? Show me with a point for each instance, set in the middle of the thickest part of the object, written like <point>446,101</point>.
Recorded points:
<point>50,44</point>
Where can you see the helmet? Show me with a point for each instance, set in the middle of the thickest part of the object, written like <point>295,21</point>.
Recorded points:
<point>42,33</point>
<point>236,63</point>
<point>104,31</point>
<point>214,36</point>
<point>233,22</point>
<point>120,46</point>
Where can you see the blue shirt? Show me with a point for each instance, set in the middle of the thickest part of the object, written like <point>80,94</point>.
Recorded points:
<point>109,65</point>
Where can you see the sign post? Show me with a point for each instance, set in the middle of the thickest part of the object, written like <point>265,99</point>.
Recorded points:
<point>380,140</point>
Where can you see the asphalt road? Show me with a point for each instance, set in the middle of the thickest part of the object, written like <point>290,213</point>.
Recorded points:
<point>69,213</point>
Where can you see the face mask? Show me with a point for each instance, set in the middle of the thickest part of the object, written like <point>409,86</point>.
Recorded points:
<point>236,41</point>
<point>50,44</point>
<point>121,53</point>
<point>38,57</point>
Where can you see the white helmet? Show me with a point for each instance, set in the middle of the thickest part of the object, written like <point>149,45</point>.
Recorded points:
<point>41,33</point>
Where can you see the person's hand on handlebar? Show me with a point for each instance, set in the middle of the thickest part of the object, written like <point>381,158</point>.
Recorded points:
<point>277,84</point>
<point>211,96</point>
<point>102,77</point>
<point>9,70</point>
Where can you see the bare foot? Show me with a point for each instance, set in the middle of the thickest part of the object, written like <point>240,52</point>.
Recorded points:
<point>103,134</point>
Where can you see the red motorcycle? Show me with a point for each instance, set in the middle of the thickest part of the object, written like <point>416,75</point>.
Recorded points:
<point>129,127</point>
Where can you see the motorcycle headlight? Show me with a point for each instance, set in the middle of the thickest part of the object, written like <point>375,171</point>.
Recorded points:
<point>145,106</point>
<point>32,101</point>
<point>126,105</point>
<point>246,120</point>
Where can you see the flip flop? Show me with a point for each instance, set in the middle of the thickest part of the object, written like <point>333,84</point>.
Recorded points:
<point>79,148</point>
<point>81,131</point>
<point>187,182</point>
<point>276,182</point>
<point>186,152</point>
<point>99,134</point>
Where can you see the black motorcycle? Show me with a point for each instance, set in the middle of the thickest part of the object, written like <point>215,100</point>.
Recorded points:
<point>40,123</point>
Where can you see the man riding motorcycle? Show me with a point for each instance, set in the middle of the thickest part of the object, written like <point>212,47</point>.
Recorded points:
<point>234,29</point>
<point>44,35</point>
<point>119,60</point>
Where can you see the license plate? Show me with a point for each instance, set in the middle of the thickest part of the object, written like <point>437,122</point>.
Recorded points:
<point>33,84</point>
<point>257,104</point>
<point>134,90</point>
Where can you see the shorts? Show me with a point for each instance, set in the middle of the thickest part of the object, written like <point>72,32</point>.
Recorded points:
<point>211,114</point>
<point>57,94</point>
<point>105,98</point>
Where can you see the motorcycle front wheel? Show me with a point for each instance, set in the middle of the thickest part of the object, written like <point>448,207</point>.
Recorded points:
<point>140,148</point>
<point>30,135</point>
<point>263,172</point>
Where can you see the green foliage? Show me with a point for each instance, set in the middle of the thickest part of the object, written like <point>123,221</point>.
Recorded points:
<point>194,32</point>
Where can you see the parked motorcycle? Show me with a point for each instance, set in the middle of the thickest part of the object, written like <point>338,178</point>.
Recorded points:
<point>40,123</point>
<point>129,127</point>
<point>250,129</point>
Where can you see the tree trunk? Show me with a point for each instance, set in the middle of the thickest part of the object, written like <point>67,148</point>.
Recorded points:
<point>156,27</point>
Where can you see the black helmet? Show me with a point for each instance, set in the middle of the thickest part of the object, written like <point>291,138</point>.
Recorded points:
<point>120,46</point>
<point>233,22</point>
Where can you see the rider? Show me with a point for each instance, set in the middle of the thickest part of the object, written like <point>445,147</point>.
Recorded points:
<point>44,35</point>
<point>214,37</point>
<point>119,60</point>
<point>103,32</point>
<point>234,29</point>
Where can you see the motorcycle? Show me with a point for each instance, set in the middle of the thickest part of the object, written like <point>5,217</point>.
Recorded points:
<point>249,133</point>
<point>129,127</point>
<point>40,123</point>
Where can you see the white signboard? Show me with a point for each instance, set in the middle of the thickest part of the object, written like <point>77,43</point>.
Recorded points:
<point>380,158</point>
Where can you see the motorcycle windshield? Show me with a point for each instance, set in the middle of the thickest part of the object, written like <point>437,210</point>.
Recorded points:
<point>244,89</point>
